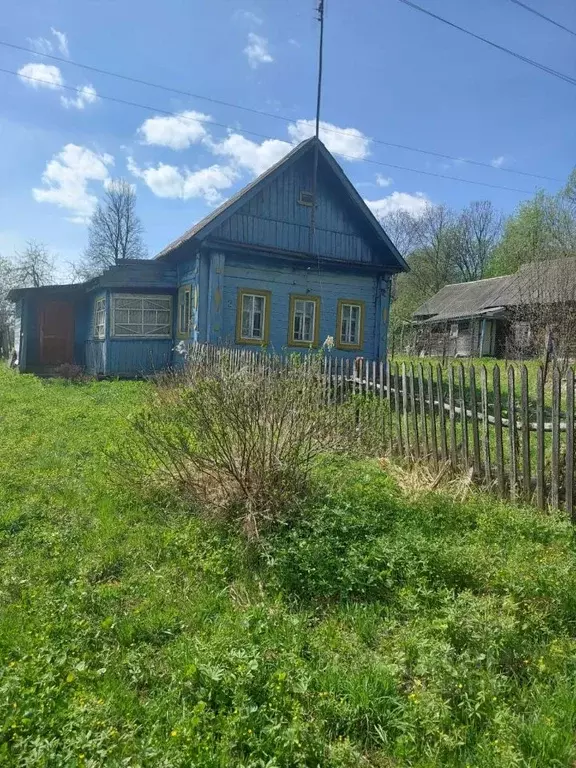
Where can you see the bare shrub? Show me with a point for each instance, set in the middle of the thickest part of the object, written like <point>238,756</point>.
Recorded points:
<point>71,372</point>
<point>239,438</point>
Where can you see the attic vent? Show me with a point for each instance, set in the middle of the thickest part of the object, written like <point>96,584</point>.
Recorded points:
<point>306,198</point>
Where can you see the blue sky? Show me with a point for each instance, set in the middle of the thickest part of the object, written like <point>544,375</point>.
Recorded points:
<point>390,73</point>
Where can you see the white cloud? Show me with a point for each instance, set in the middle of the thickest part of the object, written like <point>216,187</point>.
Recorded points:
<point>43,76</point>
<point>257,51</point>
<point>250,155</point>
<point>41,44</point>
<point>62,42</point>
<point>177,132</point>
<point>181,183</point>
<point>500,161</point>
<point>349,142</point>
<point>86,95</point>
<point>383,181</point>
<point>66,178</point>
<point>295,43</point>
<point>248,16</point>
<point>414,204</point>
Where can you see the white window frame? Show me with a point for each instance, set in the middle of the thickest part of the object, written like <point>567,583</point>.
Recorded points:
<point>184,311</point>
<point>344,340</point>
<point>99,323</point>
<point>143,297</point>
<point>300,312</point>
<point>454,327</point>
<point>251,336</point>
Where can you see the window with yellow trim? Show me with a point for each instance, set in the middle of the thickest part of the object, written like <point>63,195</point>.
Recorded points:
<point>304,321</point>
<point>253,316</point>
<point>350,324</point>
<point>184,311</point>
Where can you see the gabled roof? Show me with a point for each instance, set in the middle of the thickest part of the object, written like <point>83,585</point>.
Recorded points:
<point>539,282</point>
<point>461,300</point>
<point>204,227</point>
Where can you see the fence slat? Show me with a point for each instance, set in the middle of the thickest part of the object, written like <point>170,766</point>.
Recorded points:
<point>452,417</point>
<point>540,492</point>
<point>422,405</point>
<point>476,462</point>
<point>485,425</point>
<point>525,428</point>
<point>382,409</point>
<point>512,434</point>
<point>555,463</point>
<point>463,414</point>
<point>432,411</point>
<point>570,444</point>
<point>390,405</point>
<point>499,452</point>
<point>399,441</point>
<point>412,386</point>
<point>441,414</point>
<point>405,412</point>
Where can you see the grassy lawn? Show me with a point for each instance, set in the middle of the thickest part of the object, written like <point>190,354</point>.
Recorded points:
<point>379,630</point>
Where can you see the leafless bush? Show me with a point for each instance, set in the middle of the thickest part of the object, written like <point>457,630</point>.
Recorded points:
<point>238,438</point>
<point>71,372</point>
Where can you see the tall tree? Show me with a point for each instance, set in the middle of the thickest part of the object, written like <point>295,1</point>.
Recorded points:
<point>115,231</point>
<point>477,231</point>
<point>34,266</point>
<point>30,268</point>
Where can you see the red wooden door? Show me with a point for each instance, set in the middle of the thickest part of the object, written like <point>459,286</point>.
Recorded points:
<point>56,333</point>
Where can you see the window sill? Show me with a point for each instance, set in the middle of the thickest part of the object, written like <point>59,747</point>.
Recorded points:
<point>253,342</point>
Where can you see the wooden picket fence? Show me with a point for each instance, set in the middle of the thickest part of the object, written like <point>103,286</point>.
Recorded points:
<point>510,435</point>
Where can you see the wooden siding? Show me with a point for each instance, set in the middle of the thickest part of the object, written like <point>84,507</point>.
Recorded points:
<point>138,357</point>
<point>283,281</point>
<point>96,357</point>
<point>275,218</point>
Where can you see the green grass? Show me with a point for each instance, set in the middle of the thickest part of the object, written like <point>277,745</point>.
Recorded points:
<point>376,631</point>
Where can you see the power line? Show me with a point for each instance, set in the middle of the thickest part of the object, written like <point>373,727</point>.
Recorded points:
<point>271,115</point>
<point>555,73</point>
<point>542,16</point>
<point>159,110</point>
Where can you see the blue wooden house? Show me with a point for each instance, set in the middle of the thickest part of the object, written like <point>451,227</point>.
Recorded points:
<point>248,274</point>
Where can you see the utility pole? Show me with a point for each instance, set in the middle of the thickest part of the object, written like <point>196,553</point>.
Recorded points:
<point>320,17</point>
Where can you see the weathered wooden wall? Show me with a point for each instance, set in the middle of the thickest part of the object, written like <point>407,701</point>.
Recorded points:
<point>275,218</point>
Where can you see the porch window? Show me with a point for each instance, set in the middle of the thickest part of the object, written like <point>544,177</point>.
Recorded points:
<point>184,311</point>
<point>100,318</point>
<point>350,324</point>
<point>454,331</point>
<point>141,316</point>
<point>304,320</point>
<point>253,317</point>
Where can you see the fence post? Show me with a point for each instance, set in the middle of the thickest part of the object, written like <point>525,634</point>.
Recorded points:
<point>498,431</point>
<point>399,442</point>
<point>405,414</point>
<point>389,399</point>
<point>422,403</point>
<point>526,464</point>
<point>555,464</point>
<point>485,424</point>
<point>570,443</point>
<point>381,396</point>
<point>441,414</point>
<point>474,422</point>
<point>540,494</point>
<point>414,413</point>
<point>452,416</point>
<point>463,415</point>
<point>432,409</point>
<point>512,431</point>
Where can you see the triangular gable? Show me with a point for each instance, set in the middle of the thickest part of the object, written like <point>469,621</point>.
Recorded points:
<point>332,177</point>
